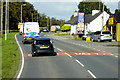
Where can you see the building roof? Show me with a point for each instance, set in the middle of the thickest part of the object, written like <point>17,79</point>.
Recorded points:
<point>117,17</point>
<point>88,18</point>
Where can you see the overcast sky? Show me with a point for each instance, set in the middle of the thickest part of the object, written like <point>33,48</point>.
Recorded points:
<point>63,9</point>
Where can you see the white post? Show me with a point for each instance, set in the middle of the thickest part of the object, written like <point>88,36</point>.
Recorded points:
<point>6,20</point>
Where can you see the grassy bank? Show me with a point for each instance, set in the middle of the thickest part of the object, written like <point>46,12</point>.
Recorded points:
<point>62,33</point>
<point>0,58</point>
<point>10,56</point>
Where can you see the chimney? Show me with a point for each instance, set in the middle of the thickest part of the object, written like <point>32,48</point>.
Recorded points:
<point>75,13</point>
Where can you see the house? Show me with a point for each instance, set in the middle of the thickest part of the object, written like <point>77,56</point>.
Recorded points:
<point>93,22</point>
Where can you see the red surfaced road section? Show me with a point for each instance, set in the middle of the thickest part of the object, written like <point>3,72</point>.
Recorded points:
<point>76,53</point>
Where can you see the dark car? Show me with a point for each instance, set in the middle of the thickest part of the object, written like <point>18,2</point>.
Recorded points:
<point>45,30</point>
<point>42,46</point>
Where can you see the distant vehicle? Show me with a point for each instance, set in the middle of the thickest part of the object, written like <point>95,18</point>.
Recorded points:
<point>31,31</point>
<point>53,29</point>
<point>102,36</point>
<point>45,30</point>
<point>21,28</point>
<point>89,34</point>
<point>42,46</point>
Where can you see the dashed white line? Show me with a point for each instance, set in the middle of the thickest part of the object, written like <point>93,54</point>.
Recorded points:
<point>79,62</point>
<point>68,54</point>
<point>60,50</point>
<point>57,53</point>
<point>116,56</point>
<point>91,74</point>
<point>99,50</point>
<point>94,48</point>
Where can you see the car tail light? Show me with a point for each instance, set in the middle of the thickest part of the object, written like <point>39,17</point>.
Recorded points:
<point>24,33</point>
<point>24,36</point>
<point>101,35</point>
<point>111,35</point>
<point>51,51</point>
<point>38,33</point>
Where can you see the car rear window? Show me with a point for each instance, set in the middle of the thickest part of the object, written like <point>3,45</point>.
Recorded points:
<point>43,42</point>
<point>107,32</point>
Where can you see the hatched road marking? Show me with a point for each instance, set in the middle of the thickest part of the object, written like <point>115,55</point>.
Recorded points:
<point>76,53</point>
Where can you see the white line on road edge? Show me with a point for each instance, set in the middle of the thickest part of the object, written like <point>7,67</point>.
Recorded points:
<point>22,65</point>
<point>60,50</point>
<point>91,74</point>
<point>68,54</point>
<point>79,62</point>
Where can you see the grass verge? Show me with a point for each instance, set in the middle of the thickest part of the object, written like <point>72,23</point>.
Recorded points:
<point>61,34</point>
<point>0,58</point>
<point>10,56</point>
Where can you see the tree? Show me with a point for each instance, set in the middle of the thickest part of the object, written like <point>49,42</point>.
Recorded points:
<point>117,11</point>
<point>87,6</point>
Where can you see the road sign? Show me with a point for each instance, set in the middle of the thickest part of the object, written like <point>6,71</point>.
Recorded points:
<point>110,21</point>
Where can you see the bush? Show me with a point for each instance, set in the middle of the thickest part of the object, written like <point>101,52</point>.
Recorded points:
<point>66,28</point>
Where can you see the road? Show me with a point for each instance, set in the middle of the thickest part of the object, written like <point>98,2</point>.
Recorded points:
<point>74,59</point>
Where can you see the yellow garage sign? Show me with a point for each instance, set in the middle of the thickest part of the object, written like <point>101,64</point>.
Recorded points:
<point>110,21</point>
<point>19,25</point>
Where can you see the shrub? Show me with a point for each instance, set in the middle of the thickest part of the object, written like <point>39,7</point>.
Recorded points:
<point>66,28</point>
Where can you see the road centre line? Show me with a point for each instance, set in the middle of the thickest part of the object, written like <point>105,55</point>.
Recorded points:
<point>91,74</point>
<point>79,62</point>
<point>22,65</point>
<point>60,50</point>
<point>68,54</point>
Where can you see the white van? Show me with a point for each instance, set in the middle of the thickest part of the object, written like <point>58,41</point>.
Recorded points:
<point>31,31</point>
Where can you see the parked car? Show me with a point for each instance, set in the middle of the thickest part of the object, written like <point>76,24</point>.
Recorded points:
<point>42,46</point>
<point>102,36</point>
<point>89,34</point>
<point>45,30</point>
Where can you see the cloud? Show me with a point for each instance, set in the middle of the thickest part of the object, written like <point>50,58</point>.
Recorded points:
<point>61,10</point>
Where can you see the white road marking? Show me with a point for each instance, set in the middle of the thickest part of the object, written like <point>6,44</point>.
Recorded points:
<point>79,62</point>
<point>98,50</point>
<point>60,50</point>
<point>116,56</point>
<point>104,51</point>
<point>76,53</point>
<point>57,53</point>
<point>22,65</point>
<point>91,74</point>
<point>68,54</point>
<point>94,48</point>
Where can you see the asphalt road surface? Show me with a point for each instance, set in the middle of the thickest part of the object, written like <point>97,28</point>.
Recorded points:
<point>73,60</point>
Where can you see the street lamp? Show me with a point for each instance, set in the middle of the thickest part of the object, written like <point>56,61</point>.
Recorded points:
<point>21,11</point>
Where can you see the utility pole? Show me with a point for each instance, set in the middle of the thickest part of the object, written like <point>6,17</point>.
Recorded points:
<point>32,17</point>
<point>1,18</point>
<point>37,17</point>
<point>6,20</point>
<point>103,15</point>
<point>21,11</point>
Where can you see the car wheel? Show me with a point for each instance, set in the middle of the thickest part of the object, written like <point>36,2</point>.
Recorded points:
<point>110,40</point>
<point>99,40</point>
<point>92,40</point>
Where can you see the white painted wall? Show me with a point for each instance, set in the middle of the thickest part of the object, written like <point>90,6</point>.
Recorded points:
<point>96,24</point>
<point>73,29</point>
